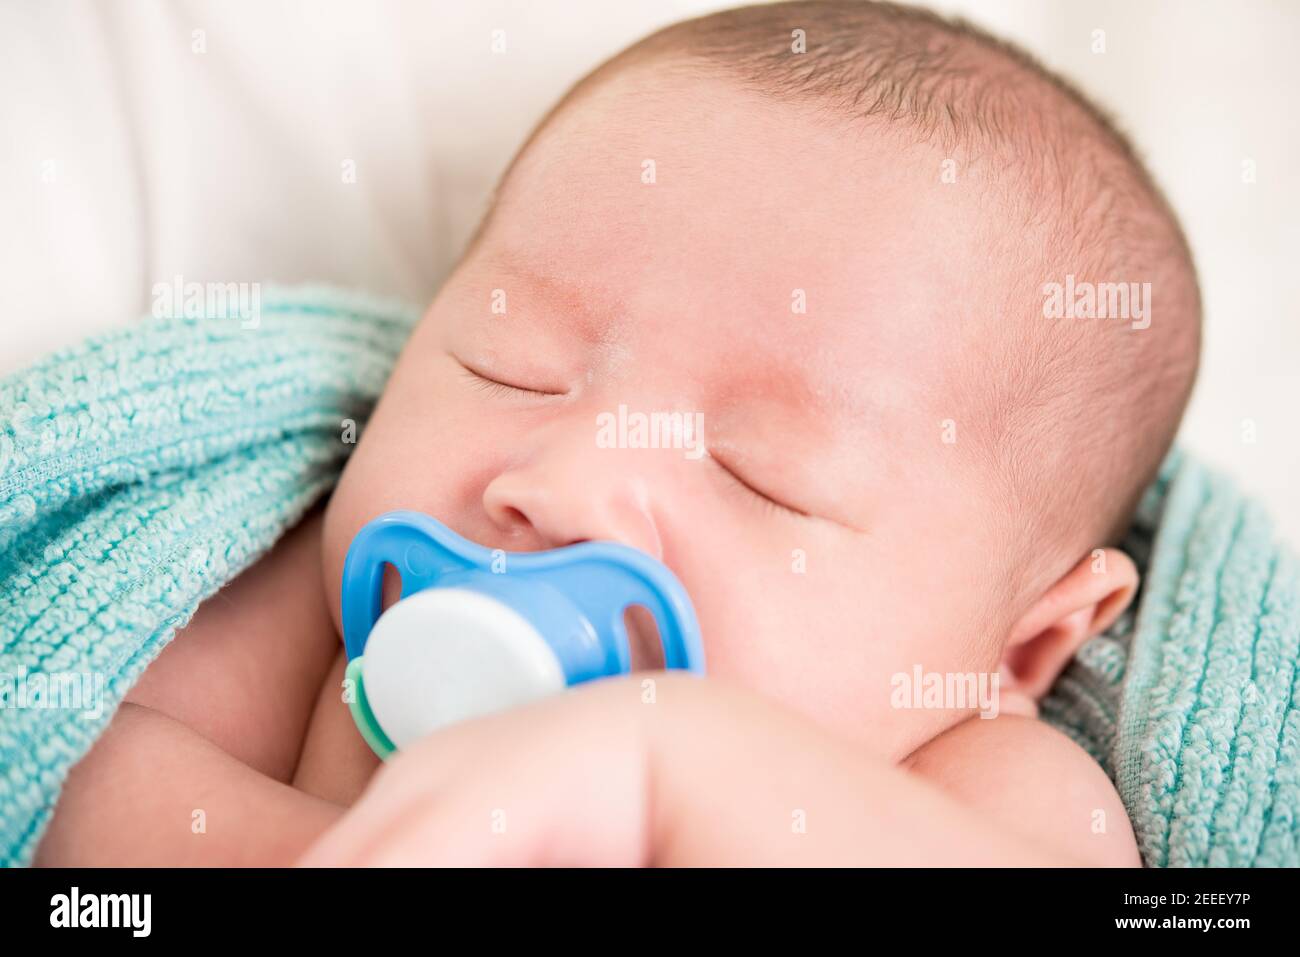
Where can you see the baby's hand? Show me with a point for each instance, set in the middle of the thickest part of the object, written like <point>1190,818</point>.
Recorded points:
<point>559,782</point>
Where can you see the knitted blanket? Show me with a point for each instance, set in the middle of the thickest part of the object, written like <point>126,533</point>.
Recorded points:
<point>138,473</point>
<point>1190,703</point>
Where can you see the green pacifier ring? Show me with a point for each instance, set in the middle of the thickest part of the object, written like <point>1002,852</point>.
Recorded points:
<point>362,716</point>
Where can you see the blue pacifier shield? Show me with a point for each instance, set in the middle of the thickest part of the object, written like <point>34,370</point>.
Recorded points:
<point>480,630</point>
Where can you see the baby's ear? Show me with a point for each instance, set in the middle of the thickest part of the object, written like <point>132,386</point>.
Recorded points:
<point>1082,604</point>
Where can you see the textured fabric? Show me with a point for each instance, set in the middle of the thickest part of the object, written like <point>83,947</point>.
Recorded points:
<point>138,473</point>
<point>1191,703</point>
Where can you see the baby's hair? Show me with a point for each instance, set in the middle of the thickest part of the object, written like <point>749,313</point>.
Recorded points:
<point>1071,418</point>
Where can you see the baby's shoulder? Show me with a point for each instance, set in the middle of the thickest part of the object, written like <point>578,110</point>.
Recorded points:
<point>1035,779</point>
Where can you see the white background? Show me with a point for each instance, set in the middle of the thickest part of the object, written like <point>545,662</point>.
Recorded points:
<point>126,158</point>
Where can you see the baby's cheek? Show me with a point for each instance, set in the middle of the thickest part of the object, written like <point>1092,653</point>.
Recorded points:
<point>401,461</point>
<point>827,640</point>
<point>374,481</point>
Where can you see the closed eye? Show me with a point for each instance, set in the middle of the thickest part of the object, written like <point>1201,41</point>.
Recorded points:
<point>767,500</point>
<point>497,386</point>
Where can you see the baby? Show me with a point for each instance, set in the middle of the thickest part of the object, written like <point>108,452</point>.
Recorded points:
<point>834,230</point>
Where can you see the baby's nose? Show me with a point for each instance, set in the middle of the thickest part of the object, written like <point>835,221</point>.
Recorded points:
<point>565,494</point>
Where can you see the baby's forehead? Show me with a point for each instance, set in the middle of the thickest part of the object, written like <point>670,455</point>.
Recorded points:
<point>761,224</point>
<point>705,158</point>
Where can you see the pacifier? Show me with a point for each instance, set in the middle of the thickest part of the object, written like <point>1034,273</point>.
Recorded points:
<point>480,630</point>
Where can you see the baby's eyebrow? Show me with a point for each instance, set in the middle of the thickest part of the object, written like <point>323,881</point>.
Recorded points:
<point>745,377</point>
<point>795,394</point>
<point>580,307</point>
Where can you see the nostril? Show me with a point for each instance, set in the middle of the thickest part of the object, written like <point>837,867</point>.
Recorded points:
<point>509,518</point>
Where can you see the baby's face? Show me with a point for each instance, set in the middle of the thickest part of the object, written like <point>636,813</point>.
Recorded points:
<point>801,289</point>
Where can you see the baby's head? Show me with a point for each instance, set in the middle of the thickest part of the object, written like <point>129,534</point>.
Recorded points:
<point>830,230</point>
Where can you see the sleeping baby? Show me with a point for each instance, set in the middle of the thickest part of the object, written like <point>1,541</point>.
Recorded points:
<point>837,235</point>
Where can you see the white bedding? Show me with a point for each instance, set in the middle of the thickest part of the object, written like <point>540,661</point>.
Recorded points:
<point>137,150</point>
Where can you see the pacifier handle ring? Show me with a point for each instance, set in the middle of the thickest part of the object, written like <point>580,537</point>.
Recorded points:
<point>423,551</point>
<point>651,585</point>
<point>415,545</point>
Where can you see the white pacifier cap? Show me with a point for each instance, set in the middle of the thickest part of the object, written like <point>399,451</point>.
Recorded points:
<point>447,654</point>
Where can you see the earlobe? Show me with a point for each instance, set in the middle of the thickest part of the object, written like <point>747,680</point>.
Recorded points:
<point>1082,604</point>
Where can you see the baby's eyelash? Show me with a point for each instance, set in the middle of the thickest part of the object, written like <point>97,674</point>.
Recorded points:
<point>491,386</point>
<point>769,504</point>
<point>497,387</point>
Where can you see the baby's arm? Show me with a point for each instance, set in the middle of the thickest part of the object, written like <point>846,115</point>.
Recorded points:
<point>1017,795</point>
<point>154,792</point>
<point>336,764</point>
<point>1027,776</point>
<point>247,670</point>
<point>194,768</point>
<point>707,775</point>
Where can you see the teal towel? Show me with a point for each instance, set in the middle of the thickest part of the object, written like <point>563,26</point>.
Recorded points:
<point>138,473</point>
<point>1191,702</point>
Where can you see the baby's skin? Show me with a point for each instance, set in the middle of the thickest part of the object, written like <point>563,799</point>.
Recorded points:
<point>832,539</point>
